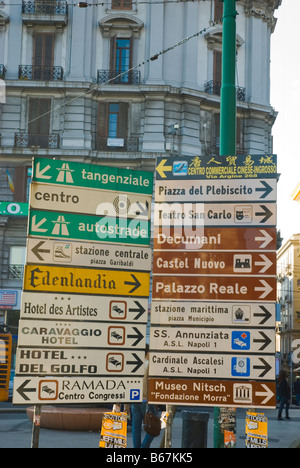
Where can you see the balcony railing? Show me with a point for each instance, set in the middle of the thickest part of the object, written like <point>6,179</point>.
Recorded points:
<point>2,72</point>
<point>214,87</point>
<point>34,72</point>
<point>27,140</point>
<point>132,77</point>
<point>39,7</point>
<point>15,272</point>
<point>117,144</point>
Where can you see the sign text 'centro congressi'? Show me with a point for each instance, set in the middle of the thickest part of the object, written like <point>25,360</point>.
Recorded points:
<point>86,285</point>
<point>214,285</point>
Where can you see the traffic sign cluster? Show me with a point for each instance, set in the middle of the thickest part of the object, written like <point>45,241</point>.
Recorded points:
<point>84,312</point>
<point>214,283</point>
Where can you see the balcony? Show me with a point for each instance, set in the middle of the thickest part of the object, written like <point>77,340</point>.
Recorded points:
<point>27,140</point>
<point>130,145</point>
<point>214,87</point>
<point>40,73</point>
<point>2,72</point>
<point>132,77</point>
<point>41,12</point>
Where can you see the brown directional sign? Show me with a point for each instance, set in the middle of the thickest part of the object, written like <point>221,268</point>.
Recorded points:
<point>215,263</point>
<point>214,238</point>
<point>194,392</point>
<point>219,288</point>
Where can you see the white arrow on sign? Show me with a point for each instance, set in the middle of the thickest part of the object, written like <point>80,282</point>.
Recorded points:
<point>40,173</point>
<point>266,239</point>
<point>36,227</point>
<point>268,394</point>
<point>266,288</point>
<point>266,263</point>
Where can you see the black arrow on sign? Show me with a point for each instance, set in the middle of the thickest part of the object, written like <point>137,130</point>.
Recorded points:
<point>266,367</point>
<point>266,315</point>
<point>140,309</point>
<point>139,336</point>
<point>138,363</point>
<point>266,189</point>
<point>266,213</point>
<point>266,341</point>
<point>135,283</point>
<point>37,250</point>
<point>22,390</point>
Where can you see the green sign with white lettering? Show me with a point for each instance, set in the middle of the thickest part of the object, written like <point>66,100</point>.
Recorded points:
<point>14,209</point>
<point>53,171</point>
<point>89,228</point>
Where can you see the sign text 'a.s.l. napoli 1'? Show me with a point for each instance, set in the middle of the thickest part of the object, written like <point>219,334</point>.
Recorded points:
<point>86,285</point>
<point>214,266</point>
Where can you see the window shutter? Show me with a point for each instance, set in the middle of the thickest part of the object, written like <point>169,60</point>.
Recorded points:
<point>39,116</point>
<point>20,184</point>
<point>123,120</point>
<point>217,66</point>
<point>102,119</point>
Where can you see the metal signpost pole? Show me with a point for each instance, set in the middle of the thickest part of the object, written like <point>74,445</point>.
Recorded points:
<point>227,127</point>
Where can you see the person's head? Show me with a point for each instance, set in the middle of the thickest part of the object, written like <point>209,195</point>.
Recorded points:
<point>147,351</point>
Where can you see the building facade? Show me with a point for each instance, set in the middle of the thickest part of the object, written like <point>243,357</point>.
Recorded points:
<point>288,290</point>
<point>111,83</point>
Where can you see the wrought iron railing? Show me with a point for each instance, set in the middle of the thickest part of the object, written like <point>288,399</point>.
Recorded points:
<point>26,140</point>
<point>15,272</point>
<point>2,72</point>
<point>130,145</point>
<point>40,73</point>
<point>214,87</point>
<point>40,7</point>
<point>132,77</point>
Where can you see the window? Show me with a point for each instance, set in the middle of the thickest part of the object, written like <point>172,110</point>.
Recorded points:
<point>112,125</point>
<point>218,13</point>
<point>22,184</point>
<point>121,4</point>
<point>17,259</point>
<point>113,120</point>
<point>43,56</point>
<point>121,58</point>
<point>39,122</point>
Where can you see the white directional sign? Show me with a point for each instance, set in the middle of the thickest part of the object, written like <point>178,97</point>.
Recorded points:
<point>78,307</point>
<point>81,335</point>
<point>210,366</point>
<point>199,314</point>
<point>212,339</point>
<point>215,190</point>
<point>88,201</point>
<point>74,390</point>
<point>209,214</point>
<point>54,252</point>
<point>45,361</point>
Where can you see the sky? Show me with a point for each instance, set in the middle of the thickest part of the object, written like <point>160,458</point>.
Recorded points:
<point>285,98</point>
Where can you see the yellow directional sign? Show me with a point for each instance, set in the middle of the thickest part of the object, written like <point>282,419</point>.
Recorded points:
<point>162,168</point>
<point>86,281</point>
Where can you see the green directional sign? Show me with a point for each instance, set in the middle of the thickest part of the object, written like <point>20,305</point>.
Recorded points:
<point>89,228</point>
<point>76,174</point>
<point>13,209</point>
